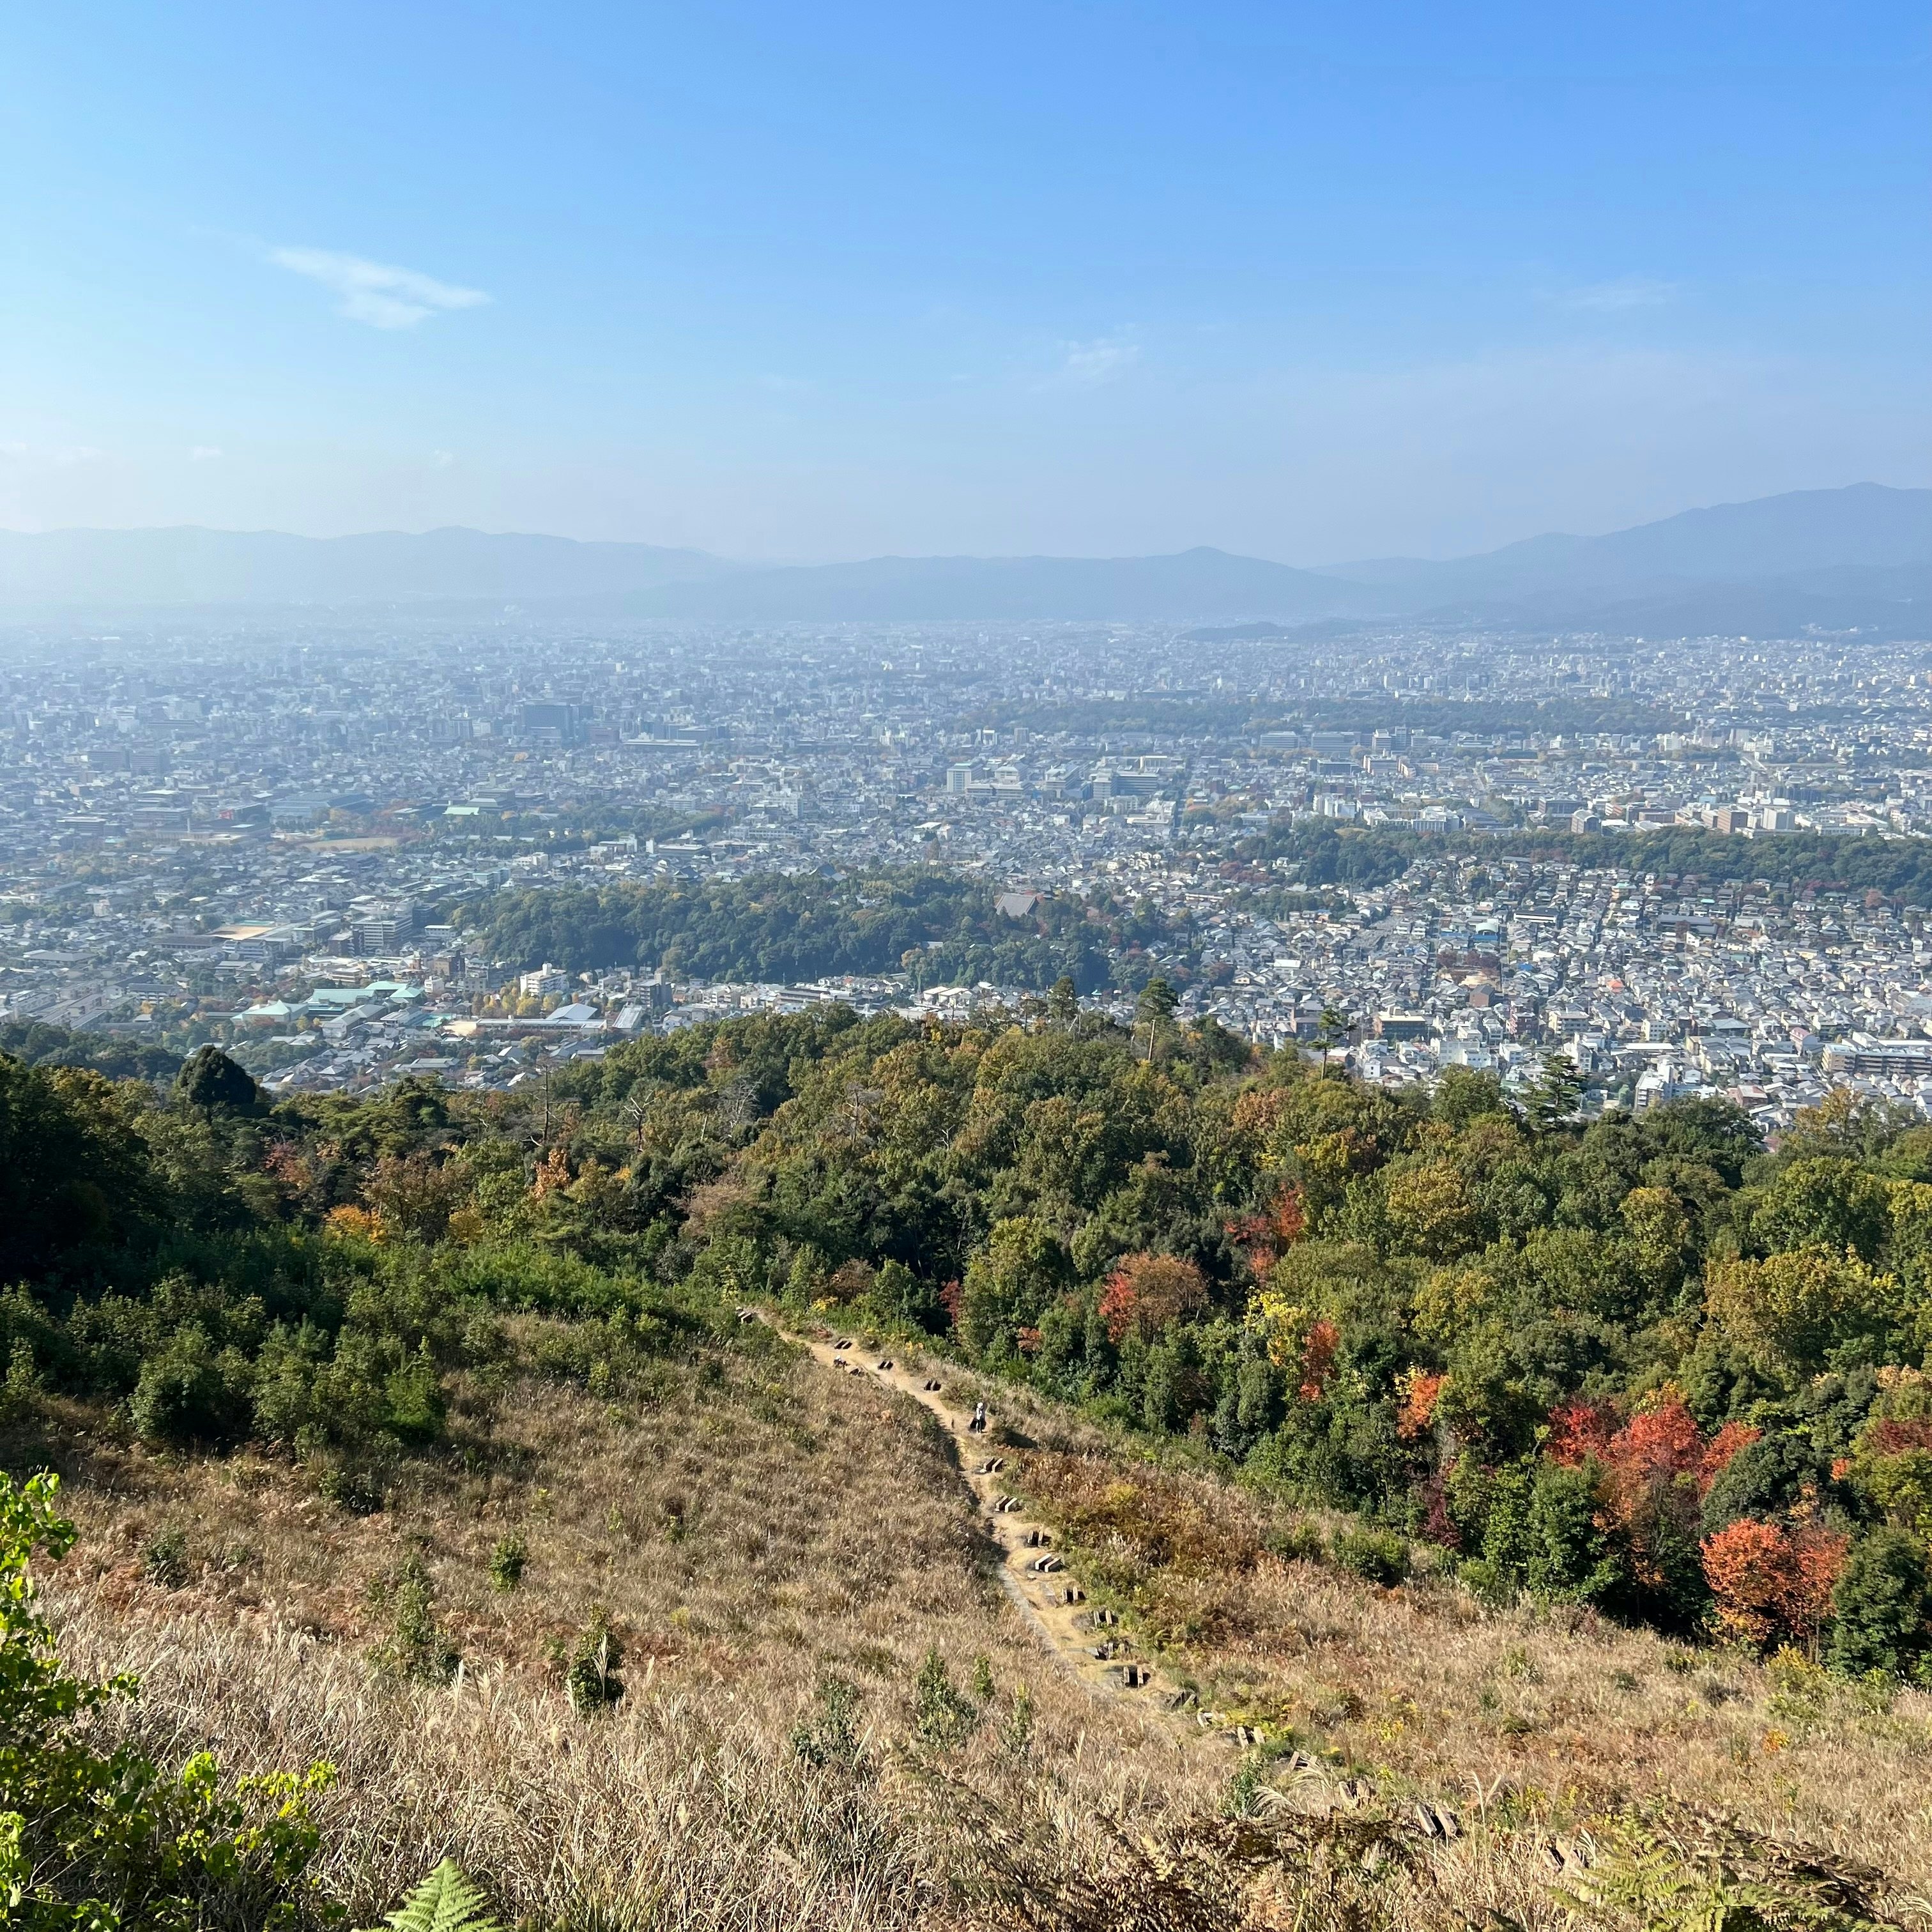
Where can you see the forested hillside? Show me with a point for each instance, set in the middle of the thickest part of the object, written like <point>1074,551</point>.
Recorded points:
<point>1896,868</point>
<point>941,928</point>
<point>1644,1371</point>
<point>1644,1364</point>
<point>1609,1364</point>
<point>41,1044</point>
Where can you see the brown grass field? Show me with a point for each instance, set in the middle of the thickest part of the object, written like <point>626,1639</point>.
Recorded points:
<point>754,1529</point>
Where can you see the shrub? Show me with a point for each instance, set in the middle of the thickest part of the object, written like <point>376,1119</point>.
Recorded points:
<point>1882,1601</point>
<point>413,1401</point>
<point>415,1647</point>
<point>943,1717</point>
<point>899,1295</point>
<point>1489,1583</point>
<point>1376,1555</point>
<point>191,1392</point>
<point>90,1843</point>
<point>1297,1542</point>
<point>22,1381</point>
<point>164,1559</point>
<point>507,1562</point>
<point>833,1740</point>
<point>1016,1727</point>
<point>1013,1279</point>
<point>591,1669</point>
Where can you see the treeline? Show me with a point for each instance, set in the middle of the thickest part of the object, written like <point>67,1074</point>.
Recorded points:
<point>941,928</point>
<point>307,1276</point>
<point>1371,855</point>
<point>1644,1365</point>
<point>40,1044</point>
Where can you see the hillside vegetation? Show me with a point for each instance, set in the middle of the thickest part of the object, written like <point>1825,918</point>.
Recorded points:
<point>1566,1478</point>
<point>1897,869</point>
<point>941,928</point>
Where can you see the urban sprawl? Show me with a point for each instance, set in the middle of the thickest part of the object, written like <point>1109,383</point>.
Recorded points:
<point>275,837</point>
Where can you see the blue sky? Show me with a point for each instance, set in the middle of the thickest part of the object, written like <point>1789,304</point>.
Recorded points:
<point>1308,282</point>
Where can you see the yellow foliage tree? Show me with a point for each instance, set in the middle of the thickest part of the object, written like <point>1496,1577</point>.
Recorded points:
<point>1790,1309</point>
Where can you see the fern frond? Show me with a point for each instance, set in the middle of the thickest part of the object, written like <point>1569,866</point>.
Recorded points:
<point>447,1901</point>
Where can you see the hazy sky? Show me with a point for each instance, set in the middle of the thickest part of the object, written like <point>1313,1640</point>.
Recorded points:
<point>811,280</point>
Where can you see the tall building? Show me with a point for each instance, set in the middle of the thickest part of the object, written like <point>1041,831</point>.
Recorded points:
<point>553,724</point>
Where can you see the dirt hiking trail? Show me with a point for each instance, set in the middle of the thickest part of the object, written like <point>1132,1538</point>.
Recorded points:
<point>1085,1639</point>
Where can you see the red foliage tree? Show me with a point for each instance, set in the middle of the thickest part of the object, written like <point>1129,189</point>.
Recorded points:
<point>1768,1582</point>
<point>1650,1481</point>
<point>1579,1430</point>
<point>1147,1293</point>
<point>1262,1238</point>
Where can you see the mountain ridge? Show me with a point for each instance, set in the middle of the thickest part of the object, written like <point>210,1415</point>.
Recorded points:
<point>1860,556</point>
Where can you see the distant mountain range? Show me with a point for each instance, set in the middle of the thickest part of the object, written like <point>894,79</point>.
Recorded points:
<point>130,569</point>
<point>1860,557</point>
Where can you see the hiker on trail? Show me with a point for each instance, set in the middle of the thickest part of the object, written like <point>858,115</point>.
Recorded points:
<point>978,1424</point>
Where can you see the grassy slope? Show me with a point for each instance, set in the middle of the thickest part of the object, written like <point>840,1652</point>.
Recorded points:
<point>747,1534</point>
<point>749,1531</point>
<point>1552,1719</point>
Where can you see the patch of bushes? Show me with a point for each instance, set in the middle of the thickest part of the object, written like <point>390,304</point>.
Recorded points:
<point>1376,1555</point>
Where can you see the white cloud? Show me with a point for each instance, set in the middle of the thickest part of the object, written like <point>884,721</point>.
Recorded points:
<point>1105,359</point>
<point>203,452</point>
<point>441,459</point>
<point>1616,298</point>
<point>371,293</point>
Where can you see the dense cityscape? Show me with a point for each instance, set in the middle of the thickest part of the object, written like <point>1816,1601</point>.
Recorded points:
<point>1411,849</point>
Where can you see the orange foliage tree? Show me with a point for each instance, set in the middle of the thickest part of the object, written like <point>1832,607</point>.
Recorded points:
<point>1146,1294</point>
<point>1421,1391</point>
<point>1768,1582</point>
<point>1318,1357</point>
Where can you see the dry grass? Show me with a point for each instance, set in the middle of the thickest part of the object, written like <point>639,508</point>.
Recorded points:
<point>1554,1721</point>
<point>746,1534</point>
<point>751,1529</point>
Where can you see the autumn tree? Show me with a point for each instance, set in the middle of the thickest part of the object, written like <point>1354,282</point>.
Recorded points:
<point>1148,1294</point>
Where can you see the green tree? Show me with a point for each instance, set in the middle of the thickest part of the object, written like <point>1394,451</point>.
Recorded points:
<point>1333,1028</point>
<point>1557,1093</point>
<point>1009,1284</point>
<point>1154,1010</point>
<point>1570,1557</point>
<point>1462,1095</point>
<point>211,1083</point>
<point>1883,1602</point>
<point>1063,1003</point>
